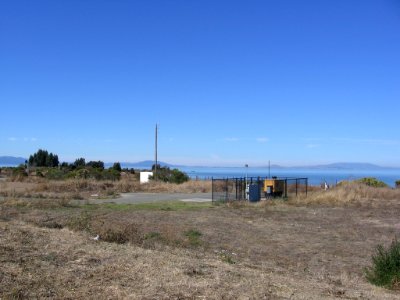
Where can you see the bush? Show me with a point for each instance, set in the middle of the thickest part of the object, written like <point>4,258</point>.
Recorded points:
<point>56,174</point>
<point>397,183</point>
<point>385,270</point>
<point>173,176</point>
<point>111,174</point>
<point>19,173</point>
<point>96,164</point>
<point>371,181</point>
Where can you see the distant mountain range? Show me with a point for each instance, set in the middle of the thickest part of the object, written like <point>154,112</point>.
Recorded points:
<point>11,160</point>
<point>147,164</point>
<point>335,166</point>
<point>348,166</point>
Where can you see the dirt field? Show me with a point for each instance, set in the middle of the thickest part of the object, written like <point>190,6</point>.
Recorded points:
<point>292,250</point>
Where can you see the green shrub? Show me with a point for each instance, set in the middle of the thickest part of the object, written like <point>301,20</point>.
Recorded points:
<point>56,174</point>
<point>371,181</point>
<point>82,174</point>
<point>178,176</point>
<point>19,173</point>
<point>397,183</point>
<point>96,164</point>
<point>385,270</point>
<point>111,174</point>
<point>173,176</point>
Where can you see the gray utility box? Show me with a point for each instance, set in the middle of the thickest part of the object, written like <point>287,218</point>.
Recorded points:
<point>254,193</point>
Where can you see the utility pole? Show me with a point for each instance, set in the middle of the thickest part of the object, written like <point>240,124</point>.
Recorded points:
<point>269,169</point>
<point>155,166</point>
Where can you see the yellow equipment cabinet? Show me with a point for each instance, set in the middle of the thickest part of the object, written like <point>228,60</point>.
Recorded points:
<point>274,187</point>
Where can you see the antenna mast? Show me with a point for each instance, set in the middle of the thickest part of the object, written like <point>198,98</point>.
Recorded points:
<point>155,166</point>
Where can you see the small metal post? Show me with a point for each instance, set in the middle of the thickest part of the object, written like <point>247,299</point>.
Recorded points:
<point>226,187</point>
<point>306,186</point>
<point>269,169</point>
<point>212,189</point>
<point>236,188</point>
<point>286,188</point>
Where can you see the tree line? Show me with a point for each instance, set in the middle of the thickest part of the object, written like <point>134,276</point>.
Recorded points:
<point>42,158</point>
<point>93,169</point>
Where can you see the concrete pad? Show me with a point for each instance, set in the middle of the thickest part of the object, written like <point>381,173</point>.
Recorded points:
<point>196,200</point>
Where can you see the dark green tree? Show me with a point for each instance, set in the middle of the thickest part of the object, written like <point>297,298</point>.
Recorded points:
<point>79,162</point>
<point>96,164</point>
<point>117,167</point>
<point>42,158</point>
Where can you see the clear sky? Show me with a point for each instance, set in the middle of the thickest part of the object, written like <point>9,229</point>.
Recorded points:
<point>229,82</point>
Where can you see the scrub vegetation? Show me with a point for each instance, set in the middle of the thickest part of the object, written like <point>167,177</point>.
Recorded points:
<point>385,270</point>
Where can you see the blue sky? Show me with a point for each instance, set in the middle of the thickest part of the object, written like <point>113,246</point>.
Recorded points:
<point>229,82</point>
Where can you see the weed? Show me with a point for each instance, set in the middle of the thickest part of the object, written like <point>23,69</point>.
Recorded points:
<point>193,237</point>
<point>114,236</point>
<point>166,208</point>
<point>81,222</point>
<point>50,224</point>
<point>152,235</point>
<point>385,270</point>
<point>227,258</point>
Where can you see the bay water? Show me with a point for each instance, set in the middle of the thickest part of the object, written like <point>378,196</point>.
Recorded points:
<point>315,176</point>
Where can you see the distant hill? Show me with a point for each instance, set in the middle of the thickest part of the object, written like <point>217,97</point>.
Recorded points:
<point>146,164</point>
<point>347,166</point>
<point>334,166</point>
<point>11,161</point>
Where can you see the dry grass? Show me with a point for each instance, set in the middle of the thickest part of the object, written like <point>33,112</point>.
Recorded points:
<point>270,250</point>
<point>305,248</point>
<point>191,186</point>
<point>348,194</point>
<point>84,188</point>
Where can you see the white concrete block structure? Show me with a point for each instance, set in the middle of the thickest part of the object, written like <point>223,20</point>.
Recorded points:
<point>144,176</point>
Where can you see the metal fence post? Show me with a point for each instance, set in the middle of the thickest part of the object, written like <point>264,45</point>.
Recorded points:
<point>226,187</point>
<point>306,186</point>
<point>212,189</point>
<point>286,188</point>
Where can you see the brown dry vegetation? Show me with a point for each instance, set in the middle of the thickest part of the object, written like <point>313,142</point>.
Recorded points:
<point>348,193</point>
<point>84,188</point>
<point>307,248</point>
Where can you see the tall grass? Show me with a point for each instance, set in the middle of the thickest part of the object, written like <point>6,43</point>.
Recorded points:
<point>347,193</point>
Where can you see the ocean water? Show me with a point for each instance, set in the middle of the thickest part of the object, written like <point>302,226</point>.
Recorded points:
<point>315,176</point>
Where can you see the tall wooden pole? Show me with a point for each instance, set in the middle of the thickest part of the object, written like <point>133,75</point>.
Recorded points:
<point>155,167</point>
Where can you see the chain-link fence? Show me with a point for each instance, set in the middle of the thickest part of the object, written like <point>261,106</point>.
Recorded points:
<point>257,188</point>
